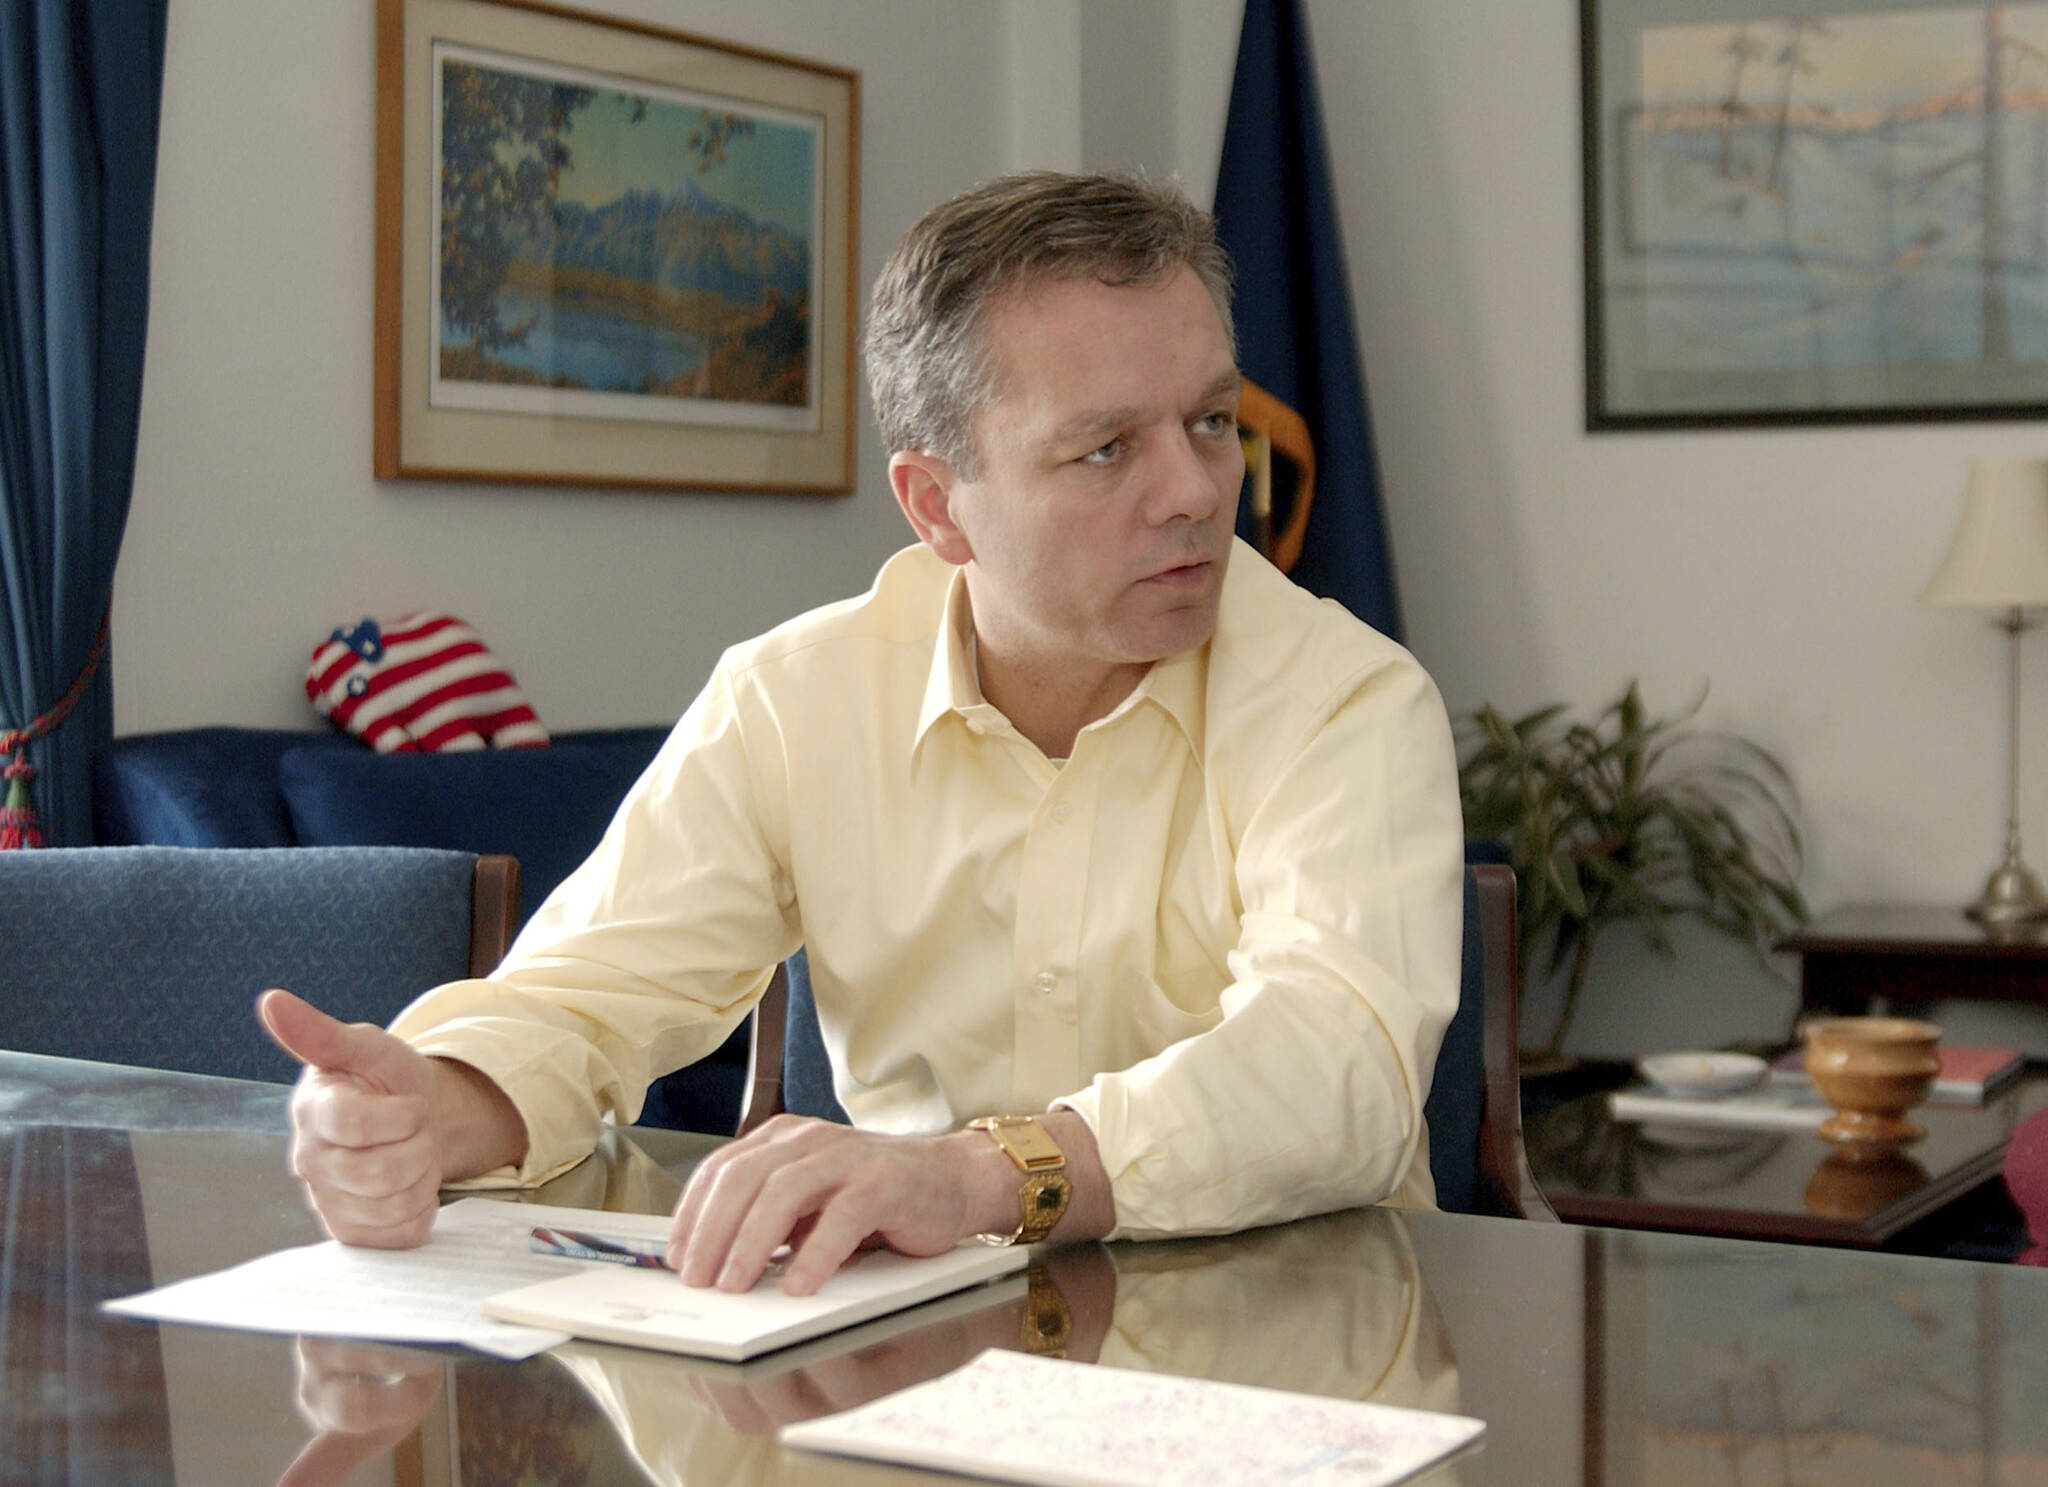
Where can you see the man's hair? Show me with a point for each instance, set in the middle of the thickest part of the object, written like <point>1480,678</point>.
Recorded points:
<point>927,359</point>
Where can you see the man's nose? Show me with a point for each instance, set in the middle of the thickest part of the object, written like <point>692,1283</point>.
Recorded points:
<point>1191,477</point>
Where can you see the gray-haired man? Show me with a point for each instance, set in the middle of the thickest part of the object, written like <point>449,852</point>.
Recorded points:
<point>1090,823</point>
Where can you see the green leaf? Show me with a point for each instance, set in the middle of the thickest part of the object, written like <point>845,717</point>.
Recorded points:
<point>1628,818</point>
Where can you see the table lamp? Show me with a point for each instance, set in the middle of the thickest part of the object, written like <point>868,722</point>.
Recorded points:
<point>1998,559</point>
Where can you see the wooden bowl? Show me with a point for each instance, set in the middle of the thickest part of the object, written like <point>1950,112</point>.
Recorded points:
<point>1872,1070</point>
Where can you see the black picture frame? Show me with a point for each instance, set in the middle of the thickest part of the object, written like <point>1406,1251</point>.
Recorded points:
<point>1848,226</point>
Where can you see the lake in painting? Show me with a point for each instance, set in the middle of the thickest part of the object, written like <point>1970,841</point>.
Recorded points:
<point>615,249</point>
<point>1864,191</point>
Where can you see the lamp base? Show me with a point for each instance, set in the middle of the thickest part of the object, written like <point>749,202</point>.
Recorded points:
<point>2012,896</point>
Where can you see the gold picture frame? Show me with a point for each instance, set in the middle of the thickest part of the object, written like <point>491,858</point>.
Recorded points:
<point>610,254</point>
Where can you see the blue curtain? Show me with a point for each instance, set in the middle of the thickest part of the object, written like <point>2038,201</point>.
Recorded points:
<point>1277,214</point>
<point>80,87</point>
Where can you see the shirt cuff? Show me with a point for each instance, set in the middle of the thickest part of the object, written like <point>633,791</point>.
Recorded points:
<point>561,1119</point>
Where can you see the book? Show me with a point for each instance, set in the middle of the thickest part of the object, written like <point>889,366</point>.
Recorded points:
<point>1050,1422</point>
<point>1968,1075</point>
<point>654,1309</point>
<point>1765,1107</point>
<point>961,1306</point>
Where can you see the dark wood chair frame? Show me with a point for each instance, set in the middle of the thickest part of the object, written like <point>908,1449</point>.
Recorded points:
<point>761,1096</point>
<point>494,891</point>
<point>1503,1161</point>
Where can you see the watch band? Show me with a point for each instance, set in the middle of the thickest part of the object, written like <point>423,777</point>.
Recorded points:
<point>1042,1197</point>
<point>1047,1323</point>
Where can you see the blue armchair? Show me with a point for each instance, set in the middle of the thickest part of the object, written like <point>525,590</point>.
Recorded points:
<point>266,787</point>
<point>155,955</point>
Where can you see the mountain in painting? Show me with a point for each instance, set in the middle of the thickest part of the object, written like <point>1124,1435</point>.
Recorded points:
<point>681,242</point>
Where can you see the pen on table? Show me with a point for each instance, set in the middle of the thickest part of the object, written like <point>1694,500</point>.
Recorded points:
<point>580,1244</point>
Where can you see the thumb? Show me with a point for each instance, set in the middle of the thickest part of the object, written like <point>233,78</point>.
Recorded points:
<point>321,1042</point>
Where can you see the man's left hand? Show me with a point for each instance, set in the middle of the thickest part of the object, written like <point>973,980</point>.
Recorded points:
<point>827,1190</point>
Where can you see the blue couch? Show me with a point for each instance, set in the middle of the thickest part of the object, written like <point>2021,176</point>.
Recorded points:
<point>263,787</point>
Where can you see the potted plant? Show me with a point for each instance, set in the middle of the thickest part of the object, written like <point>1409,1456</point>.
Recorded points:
<point>1629,818</point>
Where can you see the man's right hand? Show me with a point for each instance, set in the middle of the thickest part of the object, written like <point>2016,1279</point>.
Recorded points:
<point>361,1400</point>
<point>364,1120</point>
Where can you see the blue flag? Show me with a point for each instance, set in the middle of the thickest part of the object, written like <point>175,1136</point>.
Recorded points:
<point>1278,217</point>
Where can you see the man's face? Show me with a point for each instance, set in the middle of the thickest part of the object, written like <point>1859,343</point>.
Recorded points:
<point>1100,524</point>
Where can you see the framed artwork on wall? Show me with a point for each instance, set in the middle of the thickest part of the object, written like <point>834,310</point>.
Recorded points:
<point>1814,211</point>
<point>610,254</point>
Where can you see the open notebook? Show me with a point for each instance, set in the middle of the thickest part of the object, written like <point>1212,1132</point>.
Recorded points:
<point>653,1309</point>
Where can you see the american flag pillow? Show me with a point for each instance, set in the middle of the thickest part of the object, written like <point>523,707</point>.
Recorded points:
<point>423,683</point>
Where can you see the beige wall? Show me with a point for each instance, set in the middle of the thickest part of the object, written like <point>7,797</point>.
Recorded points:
<point>1536,562</point>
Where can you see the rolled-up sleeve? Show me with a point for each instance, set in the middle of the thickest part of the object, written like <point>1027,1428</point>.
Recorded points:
<point>643,960</point>
<point>1307,1095</point>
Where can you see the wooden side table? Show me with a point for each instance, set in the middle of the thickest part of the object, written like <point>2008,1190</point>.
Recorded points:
<point>1914,953</point>
<point>1762,1184</point>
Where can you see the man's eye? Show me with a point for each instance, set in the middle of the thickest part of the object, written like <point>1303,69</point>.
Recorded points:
<point>1217,423</point>
<point>1103,454</point>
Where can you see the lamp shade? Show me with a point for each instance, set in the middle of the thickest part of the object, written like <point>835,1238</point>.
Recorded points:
<point>1998,558</point>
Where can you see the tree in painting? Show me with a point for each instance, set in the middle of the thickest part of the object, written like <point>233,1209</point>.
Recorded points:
<point>668,257</point>
<point>502,152</point>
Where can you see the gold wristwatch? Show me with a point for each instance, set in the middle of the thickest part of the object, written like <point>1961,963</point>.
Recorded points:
<point>1043,1197</point>
<point>1047,1322</point>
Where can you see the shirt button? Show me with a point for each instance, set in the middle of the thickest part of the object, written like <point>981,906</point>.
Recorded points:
<point>1063,810</point>
<point>1046,982</point>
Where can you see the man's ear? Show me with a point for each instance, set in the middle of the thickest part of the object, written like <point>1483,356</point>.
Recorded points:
<point>924,486</point>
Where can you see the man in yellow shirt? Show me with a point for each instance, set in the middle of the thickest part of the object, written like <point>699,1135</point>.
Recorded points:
<point>1088,821</point>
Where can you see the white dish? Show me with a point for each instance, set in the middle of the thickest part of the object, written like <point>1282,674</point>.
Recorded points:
<point>1701,1076</point>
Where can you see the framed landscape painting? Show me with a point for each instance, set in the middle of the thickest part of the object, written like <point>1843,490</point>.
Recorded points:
<point>1814,211</point>
<point>610,254</point>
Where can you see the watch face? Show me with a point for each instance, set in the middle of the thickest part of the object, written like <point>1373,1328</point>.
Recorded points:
<point>1045,1201</point>
<point>1047,1322</point>
<point>1047,1328</point>
<point>1028,1144</point>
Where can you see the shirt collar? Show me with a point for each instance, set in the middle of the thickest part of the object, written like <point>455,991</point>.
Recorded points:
<point>1175,685</point>
<point>949,686</point>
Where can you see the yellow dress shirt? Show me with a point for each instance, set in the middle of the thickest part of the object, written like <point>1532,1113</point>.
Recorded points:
<point>1225,931</point>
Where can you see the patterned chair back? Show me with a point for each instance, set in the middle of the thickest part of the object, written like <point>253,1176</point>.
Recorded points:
<point>155,955</point>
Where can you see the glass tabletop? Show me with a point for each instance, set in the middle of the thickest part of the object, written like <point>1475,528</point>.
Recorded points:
<point>1766,1184</point>
<point>1593,1355</point>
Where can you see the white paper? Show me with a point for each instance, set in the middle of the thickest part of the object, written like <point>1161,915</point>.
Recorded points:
<point>1051,1423</point>
<point>430,1294</point>
<point>651,1309</point>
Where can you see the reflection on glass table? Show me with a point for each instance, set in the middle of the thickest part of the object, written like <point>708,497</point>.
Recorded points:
<point>1333,1306</point>
<point>1766,1184</point>
<point>1593,1355</point>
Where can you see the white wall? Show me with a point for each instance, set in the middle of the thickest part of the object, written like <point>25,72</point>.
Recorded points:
<point>256,525</point>
<point>1538,562</point>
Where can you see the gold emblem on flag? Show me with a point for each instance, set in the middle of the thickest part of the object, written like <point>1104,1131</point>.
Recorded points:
<point>1268,427</point>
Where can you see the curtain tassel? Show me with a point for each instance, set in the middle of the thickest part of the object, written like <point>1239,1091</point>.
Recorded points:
<point>19,825</point>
